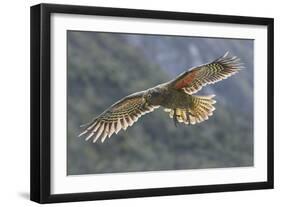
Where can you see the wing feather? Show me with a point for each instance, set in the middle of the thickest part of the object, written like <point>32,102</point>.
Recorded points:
<point>119,116</point>
<point>194,79</point>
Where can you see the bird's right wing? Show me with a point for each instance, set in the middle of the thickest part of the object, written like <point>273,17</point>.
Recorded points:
<point>119,116</point>
<point>193,80</point>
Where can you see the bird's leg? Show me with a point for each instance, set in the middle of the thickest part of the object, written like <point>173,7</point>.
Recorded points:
<point>175,118</point>
<point>192,114</point>
<point>187,115</point>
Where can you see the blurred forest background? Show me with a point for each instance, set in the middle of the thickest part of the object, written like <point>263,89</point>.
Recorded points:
<point>104,67</point>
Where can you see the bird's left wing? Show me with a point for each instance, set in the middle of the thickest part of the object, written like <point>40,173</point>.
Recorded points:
<point>194,79</point>
<point>119,116</point>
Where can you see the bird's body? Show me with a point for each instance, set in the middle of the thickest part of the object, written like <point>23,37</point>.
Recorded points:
<point>171,98</point>
<point>175,96</point>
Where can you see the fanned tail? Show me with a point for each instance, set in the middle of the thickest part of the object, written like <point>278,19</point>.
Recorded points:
<point>200,109</point>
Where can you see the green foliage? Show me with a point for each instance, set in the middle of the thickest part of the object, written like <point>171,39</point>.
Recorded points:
<point>102,68</point>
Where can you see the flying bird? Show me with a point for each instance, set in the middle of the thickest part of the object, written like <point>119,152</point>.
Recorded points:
<point>175,96</point>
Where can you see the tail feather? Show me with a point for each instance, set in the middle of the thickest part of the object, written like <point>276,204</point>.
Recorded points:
<point>200,109</point>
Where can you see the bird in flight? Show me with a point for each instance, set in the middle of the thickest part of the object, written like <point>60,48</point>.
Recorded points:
<point>175,96</point>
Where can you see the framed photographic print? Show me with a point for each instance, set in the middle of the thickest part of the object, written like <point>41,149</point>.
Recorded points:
<point>132,103</point>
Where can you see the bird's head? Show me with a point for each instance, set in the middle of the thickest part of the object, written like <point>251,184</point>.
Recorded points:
<point>154,96</point>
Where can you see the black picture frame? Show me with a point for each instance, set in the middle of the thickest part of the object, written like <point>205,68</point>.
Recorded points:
<point>41,98</point>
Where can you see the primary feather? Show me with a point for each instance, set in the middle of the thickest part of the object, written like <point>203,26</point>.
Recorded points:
<point>119,116</point>
<point>193,80</point>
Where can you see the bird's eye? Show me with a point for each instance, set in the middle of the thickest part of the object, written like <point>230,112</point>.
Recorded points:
<point>149,95</point>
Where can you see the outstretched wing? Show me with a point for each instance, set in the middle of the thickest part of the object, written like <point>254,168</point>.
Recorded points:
<point>119,116</point>
<point>193,80</point>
